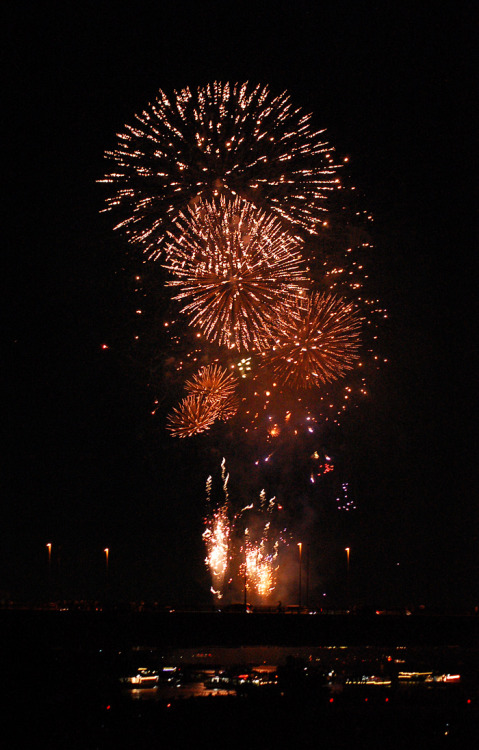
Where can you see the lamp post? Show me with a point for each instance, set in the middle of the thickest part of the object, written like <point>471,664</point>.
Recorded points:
<point>107,554</point>
<point>245,572</point>
<point>49,548</point>
<point>307,577</point>
<point>347,550</point>
<point>300,545</point>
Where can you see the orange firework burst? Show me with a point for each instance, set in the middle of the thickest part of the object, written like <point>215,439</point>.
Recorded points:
<point>221,139</point>
<point>213,382</point>
<point>316,342</point>
<point>195,414</point>
<point>236,268</point>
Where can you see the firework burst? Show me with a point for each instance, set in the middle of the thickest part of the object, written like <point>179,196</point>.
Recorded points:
<point>220,139</point>
<point>194,415</point>
<point>213,382</point>
<point>316,342</point>
<point>235,268</point>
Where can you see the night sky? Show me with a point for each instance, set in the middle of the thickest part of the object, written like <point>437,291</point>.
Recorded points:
<point>84,466</point>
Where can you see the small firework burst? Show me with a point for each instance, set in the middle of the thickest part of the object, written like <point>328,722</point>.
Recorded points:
<point>316,342</point>
<point>235,268</point>
<point>212,381</point>
<point>193,416</point>
<point>220,139</point>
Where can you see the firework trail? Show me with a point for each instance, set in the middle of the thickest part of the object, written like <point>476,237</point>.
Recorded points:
<point>220,139</point>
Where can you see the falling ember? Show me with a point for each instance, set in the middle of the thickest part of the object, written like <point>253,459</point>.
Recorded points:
<point>221,139</point>
<point>317,342</point>
<point>235,268</point>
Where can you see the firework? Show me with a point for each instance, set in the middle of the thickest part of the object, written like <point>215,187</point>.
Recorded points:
<point>235,268</point>
<point>213,382</point>
<point>221,139</point>
<point>194,415</point>
<point>316,342</point>
<point>217,535</point>
<point>260,552</point>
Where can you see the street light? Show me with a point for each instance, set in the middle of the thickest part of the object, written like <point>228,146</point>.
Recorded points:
<point>49,548</point>
<point>300,545</point>
<point>107,552</point>
<point>246,572</point>
<point>347,550</point>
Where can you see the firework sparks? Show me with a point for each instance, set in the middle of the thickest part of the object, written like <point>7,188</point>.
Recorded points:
<point>236,268</point>
<point>260,554</point>
<point>220,139</point>
<point>255,547</point>
<point>217,535</point>
<point>213,382</point>
<point>216,384</point>
<point>193,416</point>
<point>317,342</point>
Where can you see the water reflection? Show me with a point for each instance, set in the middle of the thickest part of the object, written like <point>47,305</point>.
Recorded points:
<point>153,674</point>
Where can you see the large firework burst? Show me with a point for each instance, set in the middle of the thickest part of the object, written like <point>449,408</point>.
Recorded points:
<point>316,342</point>
<point>235,268</point>
<point>220,139</point>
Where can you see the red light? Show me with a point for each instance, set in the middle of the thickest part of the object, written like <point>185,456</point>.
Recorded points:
<point>366,700</point>
<point>331,700</point>
<point>468,700</point>
<point>386,700</point>
<point>104,346</point>
<point>108,708</point>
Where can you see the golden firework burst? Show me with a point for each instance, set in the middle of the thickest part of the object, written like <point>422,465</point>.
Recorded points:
<point>235,268</point>
<point>194,415</point>
<point>316,342</point>
<point>220,139</point>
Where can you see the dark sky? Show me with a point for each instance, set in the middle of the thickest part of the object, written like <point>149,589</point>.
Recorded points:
<point>394,85</point>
